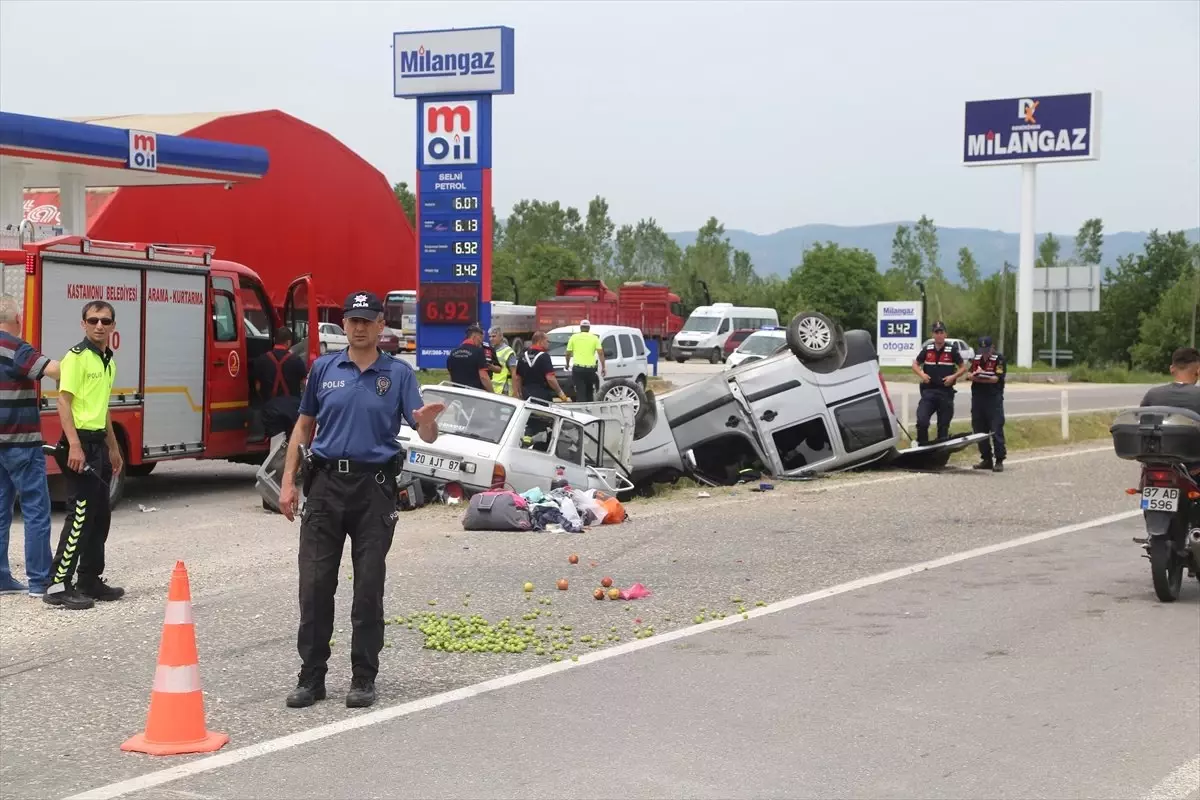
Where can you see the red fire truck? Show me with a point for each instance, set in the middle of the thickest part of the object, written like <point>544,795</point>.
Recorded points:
<point>188,326</point>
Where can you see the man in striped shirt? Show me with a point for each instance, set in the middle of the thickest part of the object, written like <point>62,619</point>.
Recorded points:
<point>22,461</point>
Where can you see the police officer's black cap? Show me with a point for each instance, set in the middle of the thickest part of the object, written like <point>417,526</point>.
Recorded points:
<point>362,305</point>
<point>939,327</point>
<point>985,341</point>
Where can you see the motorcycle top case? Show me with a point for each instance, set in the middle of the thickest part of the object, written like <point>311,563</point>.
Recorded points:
<point>1157,434</point>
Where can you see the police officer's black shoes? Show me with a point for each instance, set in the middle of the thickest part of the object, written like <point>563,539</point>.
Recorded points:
<point>361,694</point>
<point>99,590</point>
<point>984,464</point>
<point>306,693</point>
<point>999,467</point>
<point>68,598</point>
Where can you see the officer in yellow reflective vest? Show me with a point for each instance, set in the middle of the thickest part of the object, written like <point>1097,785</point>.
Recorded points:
<point>507,357</point>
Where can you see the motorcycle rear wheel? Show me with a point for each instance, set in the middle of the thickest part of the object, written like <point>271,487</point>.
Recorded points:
<point>1166,569</point>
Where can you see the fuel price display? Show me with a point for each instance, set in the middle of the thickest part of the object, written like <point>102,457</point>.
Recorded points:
<point>451,225</point>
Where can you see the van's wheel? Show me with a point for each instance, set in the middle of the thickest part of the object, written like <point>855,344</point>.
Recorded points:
<point>1166,569</point>
<point>619,390</point>
<point>715,356</point>
<point>813,336</point>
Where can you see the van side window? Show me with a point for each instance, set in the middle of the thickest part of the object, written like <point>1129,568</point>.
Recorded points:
<point>639,347</point>
<point>224,311</point>
<point>803,445</point>
<point>610,346</point>
<point>626,345</point>
<point>863,423</point>
<point>724,326</point>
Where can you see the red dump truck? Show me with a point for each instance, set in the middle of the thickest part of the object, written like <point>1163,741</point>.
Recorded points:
<point>651,307</point>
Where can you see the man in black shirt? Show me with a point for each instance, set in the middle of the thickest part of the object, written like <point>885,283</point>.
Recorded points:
<point>277,381</point>
<point>1183,391</point>
<point>987,403</point>
<point>535,372</point>
<point>468,364</point>
<point>939,366</point>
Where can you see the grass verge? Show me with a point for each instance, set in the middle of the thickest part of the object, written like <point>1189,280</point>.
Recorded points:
<point>1034,432</point>
<point>1086,374</point>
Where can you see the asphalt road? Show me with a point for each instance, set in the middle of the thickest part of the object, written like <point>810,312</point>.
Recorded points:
<point>678,720</point>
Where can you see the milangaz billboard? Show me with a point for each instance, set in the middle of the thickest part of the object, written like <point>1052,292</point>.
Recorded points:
<point>1032,130</point>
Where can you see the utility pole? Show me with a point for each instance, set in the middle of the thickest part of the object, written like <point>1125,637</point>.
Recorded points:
<point>921,286</point>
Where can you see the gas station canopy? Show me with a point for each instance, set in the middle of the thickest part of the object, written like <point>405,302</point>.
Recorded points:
<point>42,150</point>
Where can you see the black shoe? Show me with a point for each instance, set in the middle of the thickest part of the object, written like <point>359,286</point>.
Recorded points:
<point>999,467</point>
<point>985,464</point>
<point>98,589</point>
<point>68,598</point>
<point>361,694</point>
<point>306,693</point>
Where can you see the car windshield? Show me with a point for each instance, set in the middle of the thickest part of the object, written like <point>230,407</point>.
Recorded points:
<point>473,416</point>
<point>701,324</point>
<point>758,344</point>
<point>557,343</point>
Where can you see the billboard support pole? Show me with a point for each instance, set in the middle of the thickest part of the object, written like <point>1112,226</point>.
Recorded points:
<point>1025,268</point>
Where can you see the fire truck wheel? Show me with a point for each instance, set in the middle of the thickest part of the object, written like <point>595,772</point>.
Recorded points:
<point>141,470</point>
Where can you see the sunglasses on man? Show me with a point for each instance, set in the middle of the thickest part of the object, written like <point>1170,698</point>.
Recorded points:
<point>105,321</point>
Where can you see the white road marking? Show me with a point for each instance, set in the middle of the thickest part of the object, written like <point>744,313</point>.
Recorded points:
<point>231,757</point>
<point>1180,784</point>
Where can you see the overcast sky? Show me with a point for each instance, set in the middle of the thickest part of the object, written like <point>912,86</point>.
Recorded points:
<point>766,115</point>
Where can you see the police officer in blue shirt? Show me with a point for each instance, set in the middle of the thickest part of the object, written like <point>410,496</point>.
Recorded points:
<point>357,398</point>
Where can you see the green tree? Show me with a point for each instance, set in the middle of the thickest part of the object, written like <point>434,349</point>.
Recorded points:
<point>1167,326</point>
<point>542,266</point>
<point>841,282</point>
<point>968,270</point>
<point>1132,290</point>
<point>906,262</point>
<point>645,252</point>
<point>407,200</point>
<point>1089,242</point>
<point>926,235</point>
<point>597,255</point>
<point>1048,251</point>
<point>534,222</point>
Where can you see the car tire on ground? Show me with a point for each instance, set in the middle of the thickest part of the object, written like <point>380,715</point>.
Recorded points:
<point>812,336</point>
<point>323,348</point>
<point>715,356</point>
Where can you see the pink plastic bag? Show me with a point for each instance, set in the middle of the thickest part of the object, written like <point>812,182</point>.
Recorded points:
<point>635,592</point>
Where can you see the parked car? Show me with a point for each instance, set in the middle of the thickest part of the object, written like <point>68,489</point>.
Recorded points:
<point>821,405</point>
<point>960,345</point>
<point>625,360</point>
<point>758,345</point>
<point>735,340</point>
<point>390,340</point>
<point>331,337</point>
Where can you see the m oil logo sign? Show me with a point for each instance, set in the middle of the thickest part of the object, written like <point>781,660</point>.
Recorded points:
<point>448,135</point>
<point>143,150</point>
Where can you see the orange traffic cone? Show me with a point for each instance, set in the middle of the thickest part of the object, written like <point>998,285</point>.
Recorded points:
<point>175,723</point>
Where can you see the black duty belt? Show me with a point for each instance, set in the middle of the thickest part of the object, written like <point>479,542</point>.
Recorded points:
<point>346,466</point>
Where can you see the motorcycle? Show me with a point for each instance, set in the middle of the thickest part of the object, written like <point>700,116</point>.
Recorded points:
<point>1165,440</point>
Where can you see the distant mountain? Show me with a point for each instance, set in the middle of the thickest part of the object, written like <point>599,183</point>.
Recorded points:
<point>777,253</point>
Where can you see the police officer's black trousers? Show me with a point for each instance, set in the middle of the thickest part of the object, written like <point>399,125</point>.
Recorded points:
<point>587,382</point>
<point>340,504</point>
<point>940,401</point>
<point>85,530</point>
<point>987,416</point>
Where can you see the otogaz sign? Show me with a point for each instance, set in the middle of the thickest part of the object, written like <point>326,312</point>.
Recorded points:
<point>899,333</point>
<point>143,150</point>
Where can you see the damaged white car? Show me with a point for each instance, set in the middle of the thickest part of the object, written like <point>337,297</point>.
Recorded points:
<point>488,440</point>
